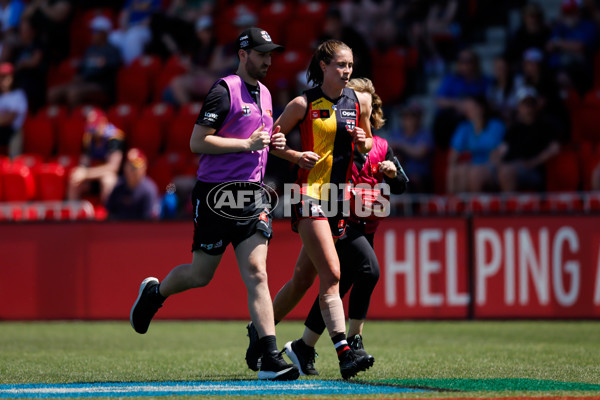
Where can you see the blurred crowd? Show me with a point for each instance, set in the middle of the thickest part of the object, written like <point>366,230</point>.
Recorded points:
<point>488,131</point>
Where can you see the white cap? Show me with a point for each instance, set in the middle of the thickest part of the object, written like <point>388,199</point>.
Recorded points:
<point>101,23</point>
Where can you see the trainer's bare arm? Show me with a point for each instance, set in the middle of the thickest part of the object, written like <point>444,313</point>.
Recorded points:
<point>291,116</point>
<point>204,141</point>
<point>363,138</point>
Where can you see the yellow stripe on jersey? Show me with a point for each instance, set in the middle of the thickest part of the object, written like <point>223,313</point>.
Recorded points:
<point>323,130</point>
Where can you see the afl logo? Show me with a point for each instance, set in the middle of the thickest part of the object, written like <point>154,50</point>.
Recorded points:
<point>246,111</point>
<point>348,113</point>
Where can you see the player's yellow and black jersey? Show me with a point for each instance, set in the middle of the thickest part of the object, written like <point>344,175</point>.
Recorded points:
<point>326,130</point>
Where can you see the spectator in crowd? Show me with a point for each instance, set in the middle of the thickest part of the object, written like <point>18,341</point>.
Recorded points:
<point>52,19</point>
<point>502,96</point>
<point>134,28</point>
<point>135,196</point>
<point>414,146</point>
<point>526,147</point>
<point>205,65</point>
<point>466,81</point>
<point>101,158</point>
<point>533,33</point>
<point>469,162</point>
<point>441,30</point>
<point>30,65</point>
<point>96,78</point>
<point>572,45</point>
<point>172,29</point>
<point>13,110</point>
<point>334,28</point>
<point>538,76</point>
<point>10,14</point>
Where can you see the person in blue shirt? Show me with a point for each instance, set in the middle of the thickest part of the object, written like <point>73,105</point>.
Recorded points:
<point>572,45</point>
<point>467,80</point>
<point>413,144</point>
<point>469,165</point>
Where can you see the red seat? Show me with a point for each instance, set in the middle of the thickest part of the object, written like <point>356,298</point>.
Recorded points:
<point>63,72</point>
<point>123,116</point>
<point>51,181</point>
<point>146,136</point>
<point>562,172</point>
<point>274,17</point>
<point>172,68</point>
<point>180,129</point>
<point>32,161</point>
<point>38,135</point>
<point>289,64</point>
<point>70,135</point>
<point>17,183</point>
<point>80,32</point>
<point>161,114</point>
<point>133,86</point>
<point>389,73</point>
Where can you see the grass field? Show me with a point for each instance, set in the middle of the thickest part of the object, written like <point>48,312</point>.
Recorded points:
<point>478,359</point>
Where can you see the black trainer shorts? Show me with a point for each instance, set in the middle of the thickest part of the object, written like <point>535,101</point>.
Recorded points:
<point>213,232</point>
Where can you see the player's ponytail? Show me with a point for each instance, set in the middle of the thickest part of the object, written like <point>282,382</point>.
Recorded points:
<point>325,52</point>
<point>365,85</point>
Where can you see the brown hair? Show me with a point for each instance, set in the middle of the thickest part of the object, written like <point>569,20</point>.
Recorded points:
<point>325,52</point>
<point>365,85</point>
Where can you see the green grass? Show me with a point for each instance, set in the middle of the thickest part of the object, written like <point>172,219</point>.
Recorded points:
<point>412,351</point>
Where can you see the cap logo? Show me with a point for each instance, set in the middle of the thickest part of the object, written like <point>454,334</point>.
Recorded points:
<point>244,43</point>
<point>265,36</point>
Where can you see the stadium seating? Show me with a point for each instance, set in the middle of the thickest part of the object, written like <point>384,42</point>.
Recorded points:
<point>70,135</point>
<point>562,172</point>
<point>17,182</point>
<point>180,129</point>
<point>38,135</point>
<point>146,135</point>
<point>161,114</point>
<point>123,116</point>
<point>172,68</point>
<point>51,181</point>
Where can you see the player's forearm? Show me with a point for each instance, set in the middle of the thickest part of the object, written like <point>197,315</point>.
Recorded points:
<point>211,144</point>
<point>287,153</point>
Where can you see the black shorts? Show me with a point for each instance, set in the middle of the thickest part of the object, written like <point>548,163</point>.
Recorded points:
<point>213,232</point>
<point>312,208</point>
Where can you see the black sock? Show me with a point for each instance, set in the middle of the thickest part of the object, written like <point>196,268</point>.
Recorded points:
<point>159,296</point>
<point>268,344</point>
<point>340,343</point>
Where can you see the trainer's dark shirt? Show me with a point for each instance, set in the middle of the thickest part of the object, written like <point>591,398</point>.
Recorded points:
<point>217,103</point>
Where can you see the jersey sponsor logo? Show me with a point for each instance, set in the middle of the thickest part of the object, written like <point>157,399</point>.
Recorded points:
<point>324,113</point>
<point>210,117</point>
<point>348,113</point>
<point>350,125</point>
<point>341,223</point>
<point>314,114</point>
<point>246,111</point>
<point>269,113</point>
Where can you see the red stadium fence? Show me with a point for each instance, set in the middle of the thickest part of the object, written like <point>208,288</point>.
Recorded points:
<point>431,268</point>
